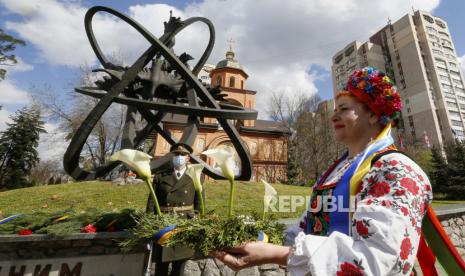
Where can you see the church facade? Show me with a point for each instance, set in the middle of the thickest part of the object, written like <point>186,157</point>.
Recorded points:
<point>266,141</point>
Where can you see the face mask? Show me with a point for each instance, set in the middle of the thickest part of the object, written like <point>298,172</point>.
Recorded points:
<point>179,160</point>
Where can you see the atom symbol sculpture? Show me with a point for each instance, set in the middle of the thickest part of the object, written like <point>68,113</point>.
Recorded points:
<point>165,86</point>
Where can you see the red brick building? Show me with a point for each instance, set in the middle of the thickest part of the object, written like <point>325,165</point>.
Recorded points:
<point>265,140</point>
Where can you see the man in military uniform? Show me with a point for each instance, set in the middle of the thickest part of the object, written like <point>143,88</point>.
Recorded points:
<point>175,193</point>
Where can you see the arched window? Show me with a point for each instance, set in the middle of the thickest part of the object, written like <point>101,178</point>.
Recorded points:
<point>218,81</point>
<point>200,144</point>
<point>253,148</point>
<point>231,81</point>
<point>242,84</point>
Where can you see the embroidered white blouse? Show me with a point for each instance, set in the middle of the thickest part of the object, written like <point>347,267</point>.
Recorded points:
<point>386,226</point>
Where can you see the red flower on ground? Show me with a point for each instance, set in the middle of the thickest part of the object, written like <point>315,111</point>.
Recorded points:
<point>25,232</point>
<point>410,185</point>
<point>89,228</point>
<point>379,189</point>
<point>348,269</point>
<point>420,177</point>
<point>405,248</point>
<point>409,169</point>
<point>393,162</point>
<point>362,230</point>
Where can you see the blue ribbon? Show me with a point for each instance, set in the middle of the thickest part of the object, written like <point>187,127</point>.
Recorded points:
<point>163,231</point>
<point>262,237</point>
<point>5,220</point>
<point>340,219</point>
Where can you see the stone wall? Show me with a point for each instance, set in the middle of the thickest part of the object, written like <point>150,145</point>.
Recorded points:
<point>73,255</point>
<point>453,220</point>
<point>213,267</point>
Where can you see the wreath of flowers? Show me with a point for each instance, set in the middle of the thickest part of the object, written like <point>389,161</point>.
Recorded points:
<point>376,90</point>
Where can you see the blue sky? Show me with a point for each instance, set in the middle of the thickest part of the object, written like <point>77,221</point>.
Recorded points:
<point>283,48</point>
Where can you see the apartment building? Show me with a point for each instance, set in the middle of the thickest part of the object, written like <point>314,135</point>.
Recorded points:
<point>417,52</point>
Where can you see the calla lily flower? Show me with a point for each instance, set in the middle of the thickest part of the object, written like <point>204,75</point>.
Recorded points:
<point>226,161</point>
<point>136,160</point>
<point>140,162</point>
<point>270,193</point>
<point>194,172</point>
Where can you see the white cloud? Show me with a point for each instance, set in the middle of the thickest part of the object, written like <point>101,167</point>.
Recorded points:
<point>4,118</point>
<point>275,41</point>
<point>11,94</point>
<point>55,28</point>
<point>20,66</point>
<point>52,145</point>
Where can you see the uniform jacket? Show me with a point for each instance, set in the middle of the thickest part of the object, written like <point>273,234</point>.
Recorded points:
<point>172,192</point>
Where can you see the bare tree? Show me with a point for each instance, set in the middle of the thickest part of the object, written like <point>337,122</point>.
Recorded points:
<point>316,146</point>
<point>70,110</point>
<point>44,171</point>
<point>311,147</point>
<point>286,109</point>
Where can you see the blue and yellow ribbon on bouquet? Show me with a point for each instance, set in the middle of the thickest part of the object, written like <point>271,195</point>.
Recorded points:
<point>164,234</point>
<point>263,237</point>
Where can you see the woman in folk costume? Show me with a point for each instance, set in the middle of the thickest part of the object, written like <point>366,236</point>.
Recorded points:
<point>366,211</point>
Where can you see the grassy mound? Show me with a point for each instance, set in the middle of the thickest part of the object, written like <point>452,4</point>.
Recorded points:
<point>107,197</point>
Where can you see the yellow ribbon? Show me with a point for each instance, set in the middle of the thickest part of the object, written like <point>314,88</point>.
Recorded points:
<point>363,169</point>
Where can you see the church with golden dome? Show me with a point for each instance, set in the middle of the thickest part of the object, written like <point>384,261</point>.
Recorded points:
<point>265,140</point>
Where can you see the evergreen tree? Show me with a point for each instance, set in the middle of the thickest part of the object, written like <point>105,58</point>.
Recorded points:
<point>7,44</point>
<point>292,164</point>
<point>18,154</point>
<point>439,171</point>
<point>456,170</point>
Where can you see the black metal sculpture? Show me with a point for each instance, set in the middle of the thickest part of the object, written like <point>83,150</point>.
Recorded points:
<point>167,86</point>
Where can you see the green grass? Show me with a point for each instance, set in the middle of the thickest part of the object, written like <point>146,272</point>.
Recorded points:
<point>109,197</point>
<point>106,196</point>
<point>447,202</point>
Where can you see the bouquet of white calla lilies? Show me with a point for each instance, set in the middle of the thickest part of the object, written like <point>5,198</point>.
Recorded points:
<point>140,162</point>
<point>225,160</point>
<point>194,172</point>
<point>270,193</point>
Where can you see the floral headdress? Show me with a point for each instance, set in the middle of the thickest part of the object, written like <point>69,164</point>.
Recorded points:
<point>376,90</point>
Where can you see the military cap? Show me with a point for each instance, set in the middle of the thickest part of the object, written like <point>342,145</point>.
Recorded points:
<point>181,148</point>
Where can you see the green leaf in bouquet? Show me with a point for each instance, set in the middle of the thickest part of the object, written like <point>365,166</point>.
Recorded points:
<point>205,234</point>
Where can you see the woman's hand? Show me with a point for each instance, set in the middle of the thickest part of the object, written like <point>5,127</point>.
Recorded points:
<point>252,254</point>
